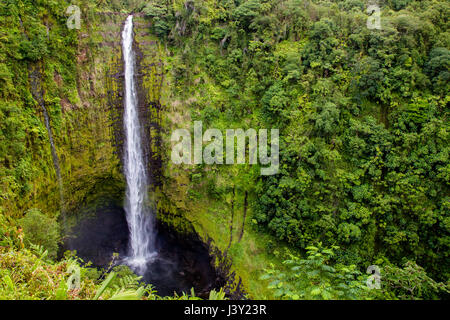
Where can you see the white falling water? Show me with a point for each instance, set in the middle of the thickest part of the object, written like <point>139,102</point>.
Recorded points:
<point>139,217</point>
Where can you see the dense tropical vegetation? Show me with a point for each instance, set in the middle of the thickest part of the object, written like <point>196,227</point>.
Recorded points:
<point>364,141</point>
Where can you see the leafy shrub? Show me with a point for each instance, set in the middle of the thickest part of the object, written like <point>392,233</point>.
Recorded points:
<point>409,283</point>
<point>316,278</point>
<point>161,18</point>
<point>38,278</point>
<point>41,230</point>
<point>438,69</point>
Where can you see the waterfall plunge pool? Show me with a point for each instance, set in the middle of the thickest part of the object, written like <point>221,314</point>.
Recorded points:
<point>182,263</point>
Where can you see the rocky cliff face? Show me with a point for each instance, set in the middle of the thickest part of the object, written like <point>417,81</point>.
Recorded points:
<point>90,142</point>
<point>81,88</point>
<point>76,88</point>
<point>85,117</point>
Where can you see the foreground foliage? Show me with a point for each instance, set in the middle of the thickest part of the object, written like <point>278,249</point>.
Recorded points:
<point>320,277</point>
<point>315,278</point>
<point>28,273</point>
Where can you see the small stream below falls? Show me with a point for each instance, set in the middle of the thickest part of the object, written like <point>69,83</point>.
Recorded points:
<point>182,263</point>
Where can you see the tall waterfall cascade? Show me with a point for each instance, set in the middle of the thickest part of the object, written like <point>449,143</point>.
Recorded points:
<point>138,212</point>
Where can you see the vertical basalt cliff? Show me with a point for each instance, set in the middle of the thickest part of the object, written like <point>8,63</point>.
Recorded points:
<point>74,99</point>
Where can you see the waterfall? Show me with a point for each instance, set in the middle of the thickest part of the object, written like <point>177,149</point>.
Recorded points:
<point>139,215</point>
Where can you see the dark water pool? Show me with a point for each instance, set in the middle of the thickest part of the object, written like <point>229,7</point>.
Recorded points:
<point>183,262</point>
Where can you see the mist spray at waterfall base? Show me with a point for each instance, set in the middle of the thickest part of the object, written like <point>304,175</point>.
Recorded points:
<point>138,213</point>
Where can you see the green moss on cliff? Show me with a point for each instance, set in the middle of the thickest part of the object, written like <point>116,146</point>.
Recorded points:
<point>72,67</point>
